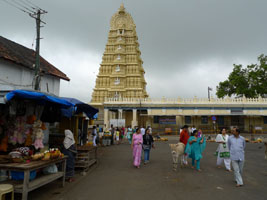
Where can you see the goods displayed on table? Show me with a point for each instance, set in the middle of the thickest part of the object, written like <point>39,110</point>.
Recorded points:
<point>22,154</point>
<point>48,155</point>
<point>37,156</point>
<point>25,154</point>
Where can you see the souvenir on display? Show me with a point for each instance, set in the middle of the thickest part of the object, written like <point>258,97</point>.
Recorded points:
<point>38,135</point>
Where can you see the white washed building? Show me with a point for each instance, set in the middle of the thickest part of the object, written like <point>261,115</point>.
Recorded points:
<point>17,69</point>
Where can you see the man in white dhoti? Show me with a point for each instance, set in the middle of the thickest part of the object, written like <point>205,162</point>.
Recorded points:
<point>223,154</point>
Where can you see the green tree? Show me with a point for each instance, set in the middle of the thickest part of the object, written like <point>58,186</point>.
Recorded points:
<point>250,82</point>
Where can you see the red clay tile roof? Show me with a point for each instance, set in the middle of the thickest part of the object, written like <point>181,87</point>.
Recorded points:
<point>24,56</point>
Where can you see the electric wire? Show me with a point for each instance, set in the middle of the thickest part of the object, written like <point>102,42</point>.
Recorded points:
<point>17,7</point>
<point>35,5</point>
<point>29,5</point>
<point>21,5</point>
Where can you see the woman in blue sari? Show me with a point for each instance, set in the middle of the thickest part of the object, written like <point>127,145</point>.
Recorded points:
<point>194,149</point>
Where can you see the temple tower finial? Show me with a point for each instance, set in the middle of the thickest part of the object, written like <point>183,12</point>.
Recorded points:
<point>122,8</point>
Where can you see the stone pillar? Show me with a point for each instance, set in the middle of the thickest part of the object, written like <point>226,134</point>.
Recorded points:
<point>120,113</point>
<point>179,121</point>
<point>106,114</point>
<point>134,122</point>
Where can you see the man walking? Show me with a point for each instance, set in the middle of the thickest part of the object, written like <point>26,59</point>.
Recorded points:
<point>237,144</point>
<point>184,136</point>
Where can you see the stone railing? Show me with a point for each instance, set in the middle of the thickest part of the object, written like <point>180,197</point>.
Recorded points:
<point>178,100</point>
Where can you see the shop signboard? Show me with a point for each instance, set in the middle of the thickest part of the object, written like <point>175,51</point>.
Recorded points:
<point>167,120</point>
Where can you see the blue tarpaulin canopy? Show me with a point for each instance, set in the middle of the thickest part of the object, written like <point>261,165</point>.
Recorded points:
<point>39,97</point>
<point>79,107</point>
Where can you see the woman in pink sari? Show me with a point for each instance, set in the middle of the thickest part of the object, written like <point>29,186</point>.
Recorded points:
<point>136,145</point>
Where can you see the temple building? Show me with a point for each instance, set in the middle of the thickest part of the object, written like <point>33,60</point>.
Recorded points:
<point>121,97</point>
<point>121,73</point>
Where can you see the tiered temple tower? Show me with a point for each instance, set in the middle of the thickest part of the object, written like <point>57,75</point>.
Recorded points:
<point>121,73</point>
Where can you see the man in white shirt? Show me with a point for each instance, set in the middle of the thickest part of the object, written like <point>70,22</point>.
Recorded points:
<point>143,131</point>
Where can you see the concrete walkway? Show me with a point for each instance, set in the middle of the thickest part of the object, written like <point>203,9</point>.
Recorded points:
<point>115,178</point>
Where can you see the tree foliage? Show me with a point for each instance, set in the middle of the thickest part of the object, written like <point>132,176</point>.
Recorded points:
<point>250,82</point>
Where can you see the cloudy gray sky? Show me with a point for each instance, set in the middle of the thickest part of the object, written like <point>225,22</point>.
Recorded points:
<point>186,45</point>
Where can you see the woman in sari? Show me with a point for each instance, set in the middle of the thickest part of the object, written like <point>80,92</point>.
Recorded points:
<point>136,145</point>
<point>70,151</point>
<point>223,153</point>
<point>194,149</point>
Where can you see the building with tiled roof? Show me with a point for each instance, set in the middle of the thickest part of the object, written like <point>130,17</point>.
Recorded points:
<point>17,64</point>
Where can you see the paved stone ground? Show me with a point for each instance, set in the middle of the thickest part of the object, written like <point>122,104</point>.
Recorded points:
<point>115,178</point>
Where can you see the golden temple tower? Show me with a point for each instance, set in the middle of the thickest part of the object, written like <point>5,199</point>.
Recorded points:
<point>121,74</point>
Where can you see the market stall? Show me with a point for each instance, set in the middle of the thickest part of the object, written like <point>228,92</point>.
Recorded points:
<point>29,157</point>
<point>25,118</point>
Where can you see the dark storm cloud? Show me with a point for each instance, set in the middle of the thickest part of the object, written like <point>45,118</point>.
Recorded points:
<point>181,41</point>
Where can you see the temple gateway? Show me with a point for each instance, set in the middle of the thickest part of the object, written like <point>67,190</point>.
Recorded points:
<point>120,93</point>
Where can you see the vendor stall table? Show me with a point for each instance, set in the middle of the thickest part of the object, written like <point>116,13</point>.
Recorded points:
<point>28,185</point>
<point>86,156</point>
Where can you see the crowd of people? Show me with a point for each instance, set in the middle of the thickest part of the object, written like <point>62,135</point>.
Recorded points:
<point>230,151</point>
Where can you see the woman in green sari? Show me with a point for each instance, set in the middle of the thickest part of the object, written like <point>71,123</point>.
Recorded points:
<point>194,148</point>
